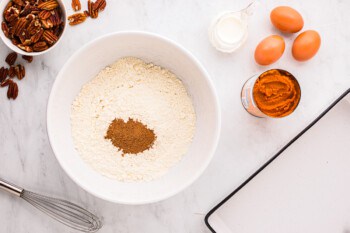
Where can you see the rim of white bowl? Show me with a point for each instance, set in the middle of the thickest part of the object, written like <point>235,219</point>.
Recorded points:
<point>216,107</point>
<point>14,48</point>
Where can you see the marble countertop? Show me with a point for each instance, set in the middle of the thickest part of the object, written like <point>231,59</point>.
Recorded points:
<point>246,142</point>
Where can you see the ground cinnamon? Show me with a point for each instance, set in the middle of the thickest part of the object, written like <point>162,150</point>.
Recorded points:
<point>130,137</point>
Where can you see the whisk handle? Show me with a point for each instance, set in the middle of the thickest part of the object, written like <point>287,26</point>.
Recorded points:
<point>11,188</point>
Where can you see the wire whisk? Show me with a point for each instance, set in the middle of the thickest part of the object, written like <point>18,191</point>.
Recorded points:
<point>63,211</point>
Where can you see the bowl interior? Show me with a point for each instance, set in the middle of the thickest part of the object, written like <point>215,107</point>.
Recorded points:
<point>84,65</point>
<point>14,48</point>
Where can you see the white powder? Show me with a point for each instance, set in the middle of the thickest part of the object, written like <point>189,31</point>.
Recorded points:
<point>131,88</point>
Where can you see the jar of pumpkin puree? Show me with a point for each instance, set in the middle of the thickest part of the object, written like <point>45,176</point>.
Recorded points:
<point>275,93</point>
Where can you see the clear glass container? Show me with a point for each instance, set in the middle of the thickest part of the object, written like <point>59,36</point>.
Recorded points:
<point>229,30</point>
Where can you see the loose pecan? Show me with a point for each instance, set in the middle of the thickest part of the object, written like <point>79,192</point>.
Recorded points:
<point>20,72</point>
<point>5,82</point>
<point>48,5</point>
<point>99,5</point>
<point>40,46</point>
<point>44,14</point>
<point>11,58</point>
<point>12,72</point>
<point>49,37</point>
<point>3,74</point>
<point>12,91</point>
<point>5,29</point>
<point>29,59</point>
<point>93,13</point>
<point>76,18</point>
<point>76,5</point>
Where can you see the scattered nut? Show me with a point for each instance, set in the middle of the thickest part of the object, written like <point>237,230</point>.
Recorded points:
<point>29,59</point>
<point>12,91</point>
<point>76,18</point>
<point>3,74</point>
<point>93,13</point>
<point>99,5</point>
<point>11,58</point>
<point>76,5</point>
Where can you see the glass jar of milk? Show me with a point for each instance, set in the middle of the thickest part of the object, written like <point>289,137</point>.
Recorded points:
<point>229,30</point>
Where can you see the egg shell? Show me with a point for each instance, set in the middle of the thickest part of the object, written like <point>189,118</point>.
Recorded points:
<point>306,45</point>
<point>286,19</point>
<point>269,50</point>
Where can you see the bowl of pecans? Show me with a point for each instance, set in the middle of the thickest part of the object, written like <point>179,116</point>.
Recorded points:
<point>32,27</point>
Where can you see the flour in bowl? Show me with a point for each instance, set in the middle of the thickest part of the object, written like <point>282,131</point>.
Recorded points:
<point>145,109</point>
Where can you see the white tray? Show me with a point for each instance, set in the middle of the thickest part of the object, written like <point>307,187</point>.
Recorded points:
<point>303,188</point>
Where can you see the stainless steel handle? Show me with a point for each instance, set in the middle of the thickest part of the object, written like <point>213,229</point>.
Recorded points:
<point>11,188</point>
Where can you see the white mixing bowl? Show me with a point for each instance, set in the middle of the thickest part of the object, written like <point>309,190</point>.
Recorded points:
<point>84,65</point>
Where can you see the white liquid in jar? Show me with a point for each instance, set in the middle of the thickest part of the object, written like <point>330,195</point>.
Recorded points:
<point>230,29</point>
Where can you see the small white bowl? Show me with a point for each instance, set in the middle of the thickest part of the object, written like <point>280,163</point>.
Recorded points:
<point>14,48</point>
<point>85,65</point>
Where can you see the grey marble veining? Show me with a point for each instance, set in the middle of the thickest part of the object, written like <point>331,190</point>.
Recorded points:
<point>246,142</point>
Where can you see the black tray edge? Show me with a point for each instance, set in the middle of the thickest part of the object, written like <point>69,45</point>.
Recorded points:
<point>206,219</point>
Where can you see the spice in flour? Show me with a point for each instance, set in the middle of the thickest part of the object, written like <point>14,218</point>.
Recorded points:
<point>131,137</point>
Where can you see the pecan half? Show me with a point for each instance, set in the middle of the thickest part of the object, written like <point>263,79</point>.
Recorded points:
<point>47,23</point>
<point>29,59</point>
<point>5,83</point>
<point>15,42</point>
<point>20,25</point>
<point>76,5</point>
<point>76,18</point>
<point>5,29</point>
<point>11,14</point>
<point>12,91</point>
<point>11,58</point>
<point>48,5</point>
<point>3,74</point>
<point>26,10</point>
<point>7,7</point>
<point>87,13</point>
<point>20,72</point>
<point>93,13</point>
<point>12,72</point>
<point>55,18</point>
<point>18,2</point>
<point>40,46</point>
<point>44,14</point>
<point>34,27</point>
<point>49,37</point>
<point>37,36</point>
<point>99,5</point>
<point>26,48</point>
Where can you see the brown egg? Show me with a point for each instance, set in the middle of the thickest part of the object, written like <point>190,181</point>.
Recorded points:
<point>269,50</point>
<point>286,19</point>
<point>306,45</point>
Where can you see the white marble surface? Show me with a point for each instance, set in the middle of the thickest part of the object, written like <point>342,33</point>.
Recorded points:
<point>246,142</point>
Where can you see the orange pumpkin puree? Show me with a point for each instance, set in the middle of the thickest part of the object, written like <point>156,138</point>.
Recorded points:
<point>276,93</point>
